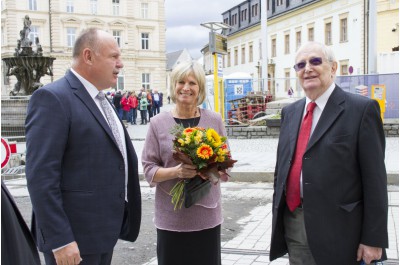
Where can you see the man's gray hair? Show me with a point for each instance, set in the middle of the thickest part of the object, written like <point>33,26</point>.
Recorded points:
<point>328,53</point>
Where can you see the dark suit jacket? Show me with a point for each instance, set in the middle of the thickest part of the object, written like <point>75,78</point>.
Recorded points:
<point>17,245</point>
<point>75,172</point>
<point>344,179</point>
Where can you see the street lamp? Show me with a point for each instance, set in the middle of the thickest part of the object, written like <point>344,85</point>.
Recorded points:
<point>217,45</point>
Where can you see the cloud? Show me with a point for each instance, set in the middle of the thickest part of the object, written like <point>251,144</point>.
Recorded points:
<point>190,37</point>
<point>183,19</point>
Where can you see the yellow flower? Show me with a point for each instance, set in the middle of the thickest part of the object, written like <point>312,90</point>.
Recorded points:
<point>221,153</point>
<point>181,141</point>
<point>204,151</point>
<point>213,137</point>
<point>187,139</point>
<point>198,137</point>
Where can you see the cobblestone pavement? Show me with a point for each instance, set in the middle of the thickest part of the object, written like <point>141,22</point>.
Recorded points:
<point>247,206</point>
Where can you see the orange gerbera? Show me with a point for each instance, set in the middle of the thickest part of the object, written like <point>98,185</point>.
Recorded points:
<point>204,151</point>
<point>188,131</point>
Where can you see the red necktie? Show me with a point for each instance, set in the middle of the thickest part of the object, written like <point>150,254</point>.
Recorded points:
<point>293,182</point>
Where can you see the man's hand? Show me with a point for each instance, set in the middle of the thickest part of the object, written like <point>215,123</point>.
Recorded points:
<point>68,255</point>
<point>368,253</point>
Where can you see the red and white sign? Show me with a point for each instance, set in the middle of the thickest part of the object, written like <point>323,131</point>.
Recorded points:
<point>5,152</point>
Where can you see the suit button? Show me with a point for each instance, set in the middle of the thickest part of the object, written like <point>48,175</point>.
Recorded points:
<point>121,167</point>
<point>122,195</point>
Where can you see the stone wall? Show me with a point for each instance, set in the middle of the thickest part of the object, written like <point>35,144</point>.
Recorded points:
<point>391,128</point>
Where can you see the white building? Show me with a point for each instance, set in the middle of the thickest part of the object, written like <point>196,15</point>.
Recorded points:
<point>137,25</point>
<point>340,24</point>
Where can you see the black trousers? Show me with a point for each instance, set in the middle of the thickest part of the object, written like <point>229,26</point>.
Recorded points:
<point>194,248</point>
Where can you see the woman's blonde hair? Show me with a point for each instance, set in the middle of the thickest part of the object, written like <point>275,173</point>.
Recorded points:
<point>182,71</point>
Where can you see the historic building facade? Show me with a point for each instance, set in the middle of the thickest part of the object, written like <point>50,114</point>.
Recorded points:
<point>340,24</point>
<point>137,25</point>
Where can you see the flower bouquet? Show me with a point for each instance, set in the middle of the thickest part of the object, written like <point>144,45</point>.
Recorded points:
<point>205,149</point>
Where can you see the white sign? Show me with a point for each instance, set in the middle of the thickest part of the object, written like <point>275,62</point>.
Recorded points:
<point>5,152</point>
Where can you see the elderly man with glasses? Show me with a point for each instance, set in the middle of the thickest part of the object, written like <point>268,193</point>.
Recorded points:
<point>330,200</point>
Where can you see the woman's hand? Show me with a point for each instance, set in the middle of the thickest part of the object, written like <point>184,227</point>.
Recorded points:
<point>185,171</point>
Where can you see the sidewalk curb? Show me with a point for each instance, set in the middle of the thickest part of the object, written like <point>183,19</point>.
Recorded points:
<point>392,178</point>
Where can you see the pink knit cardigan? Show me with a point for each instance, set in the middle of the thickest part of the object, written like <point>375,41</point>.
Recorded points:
<point>157,152</point>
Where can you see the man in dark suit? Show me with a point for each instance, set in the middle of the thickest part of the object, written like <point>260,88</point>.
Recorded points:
<point>17,244</point>
<point>81,168</point>
<point>334,211</point>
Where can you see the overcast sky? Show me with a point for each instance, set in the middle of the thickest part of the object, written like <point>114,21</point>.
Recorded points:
<point>183,18</point>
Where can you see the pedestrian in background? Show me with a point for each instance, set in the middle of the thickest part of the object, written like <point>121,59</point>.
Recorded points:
<point>143,104</point>
<point>157,102</point>
<point>150,105</point>
<point>79,158</point>
<point>117,103</point>
<point>126,107</point>
<point>330,201</point>
<point>188,235</point>
<point>133,103</point>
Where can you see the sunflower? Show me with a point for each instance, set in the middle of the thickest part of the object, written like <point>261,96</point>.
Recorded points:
<point>213,137</point>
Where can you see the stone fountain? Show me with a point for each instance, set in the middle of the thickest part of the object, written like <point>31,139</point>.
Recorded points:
<point>28,66</point>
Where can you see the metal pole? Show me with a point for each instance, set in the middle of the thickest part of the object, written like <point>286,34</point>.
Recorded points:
<point>372,36</point>
<point>216,90</point>
<point>264,45</point>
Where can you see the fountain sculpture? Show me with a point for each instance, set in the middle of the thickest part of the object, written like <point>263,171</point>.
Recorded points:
<point>27,65</point>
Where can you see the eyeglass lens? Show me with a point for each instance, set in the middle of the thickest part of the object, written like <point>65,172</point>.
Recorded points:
<point>313,61</point>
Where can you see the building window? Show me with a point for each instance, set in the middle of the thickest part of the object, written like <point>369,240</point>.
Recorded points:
<point>115,7</point>
<point>243,16</point>
<point>273,48</point>
<point>344,67</point>
<point>226,21</point>
<point>33,34</point>
<point>298,39</point>
<point>287,44</point>
<point>120,83</point>
<point>279,2</point>
<point>287,79</point>
<point>311,34</point>
<point>268,5</point>
<point>32,5</point>
<point>250,53</point>
<point>243,59</point>
<point>343,30</point>
<point>70,6</point>
<point>234,19</point>
<point>71,34</point>
<point>117,36</point>
<point>145,41</point>
<point>228,59</point>
<point>236,57</point>
<point>328,33</point>
<point>254,10</point>
<point>93,7</point>
<point>146,81</point>
<point>145,10</point>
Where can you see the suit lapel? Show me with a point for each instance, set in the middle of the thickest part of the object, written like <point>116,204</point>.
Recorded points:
<point>80,91</point>
<point>296,115</point>
<point>331,112</point>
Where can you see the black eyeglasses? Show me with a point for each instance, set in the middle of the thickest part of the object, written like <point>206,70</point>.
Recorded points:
<point>313,61</point>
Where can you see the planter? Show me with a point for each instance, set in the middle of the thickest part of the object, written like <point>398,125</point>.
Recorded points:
<point>273,122</point>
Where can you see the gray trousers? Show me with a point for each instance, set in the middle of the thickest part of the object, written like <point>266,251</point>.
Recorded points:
<point>296,238</point>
